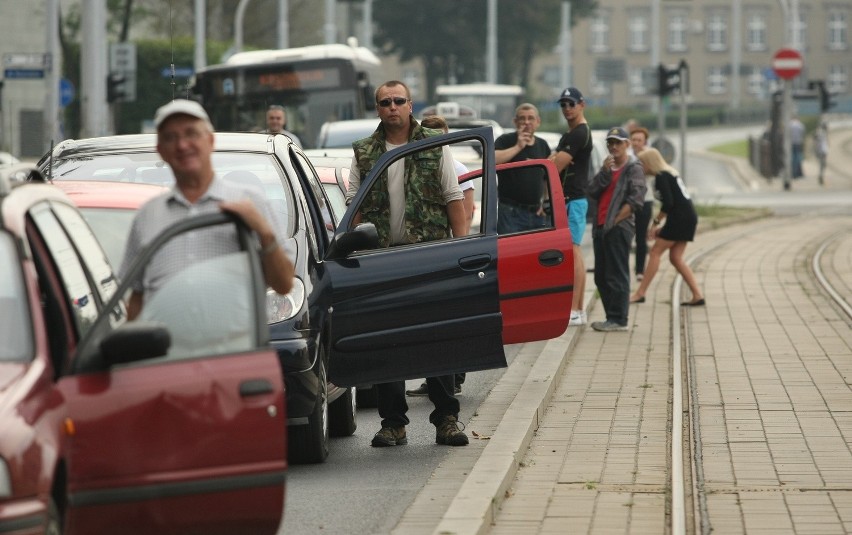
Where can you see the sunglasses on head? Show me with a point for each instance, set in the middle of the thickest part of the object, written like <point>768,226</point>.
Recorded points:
<point>386,102</point>
<point>567,104</point>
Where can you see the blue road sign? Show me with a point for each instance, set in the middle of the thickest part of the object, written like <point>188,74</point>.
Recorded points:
<point>66,92</point>
<point>23,74</point>
<point>769,74</point>
<point>180,72</point>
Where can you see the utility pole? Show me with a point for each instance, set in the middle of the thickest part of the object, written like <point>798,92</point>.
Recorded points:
<point>565,46</point>
<point>330,26</point>
<point>491,44</point>
<point>93,75</point>
<point>283,24</point>
<point>53,71</point>
<point>200,57</point>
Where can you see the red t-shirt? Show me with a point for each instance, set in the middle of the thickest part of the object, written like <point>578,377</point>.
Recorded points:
<point>606,196</point>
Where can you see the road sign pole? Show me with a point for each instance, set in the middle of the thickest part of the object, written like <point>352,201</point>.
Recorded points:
<point>787,149</point>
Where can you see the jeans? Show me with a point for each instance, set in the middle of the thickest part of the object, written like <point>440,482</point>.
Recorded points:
<point>513,218</point>
<point>612,271</point>
<point>393,406</point>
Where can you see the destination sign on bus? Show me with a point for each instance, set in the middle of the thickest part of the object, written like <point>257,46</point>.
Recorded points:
<point>283,80</point>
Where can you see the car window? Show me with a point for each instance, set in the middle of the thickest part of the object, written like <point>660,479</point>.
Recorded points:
<point>90,249</point>
<point>329,222</point>
<point>336,199</point>
<point>523,200</point>
<point>79,295</point>
<point>204,322</point>
<point>111,227</point>
<point>15,326</point>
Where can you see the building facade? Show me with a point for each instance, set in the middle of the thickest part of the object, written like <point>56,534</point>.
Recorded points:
<point>727,45</point>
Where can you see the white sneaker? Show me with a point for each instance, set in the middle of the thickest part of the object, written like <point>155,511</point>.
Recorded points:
<point>578,317</point>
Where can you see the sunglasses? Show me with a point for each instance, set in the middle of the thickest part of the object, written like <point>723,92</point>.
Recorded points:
<point>386,102</point>
<point>567,104</point>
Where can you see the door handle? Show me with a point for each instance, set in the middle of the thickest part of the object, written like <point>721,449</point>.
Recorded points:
<point>475,263</point>
<point>255,387</point>
<point>550,258</point>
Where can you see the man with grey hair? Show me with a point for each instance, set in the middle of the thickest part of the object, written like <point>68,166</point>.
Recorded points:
<point>276,123</point>
<point>521,192</point>
<point>185,142</point>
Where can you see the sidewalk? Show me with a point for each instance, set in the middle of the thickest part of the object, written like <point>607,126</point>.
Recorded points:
<point>575,436</point>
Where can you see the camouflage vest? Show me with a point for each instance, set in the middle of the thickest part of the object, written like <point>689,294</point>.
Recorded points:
<point>425,209</point>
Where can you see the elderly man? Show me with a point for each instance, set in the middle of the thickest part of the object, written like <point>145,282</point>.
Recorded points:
<point>276,123</point>
<point>426,186</point>
<point>185,141</point>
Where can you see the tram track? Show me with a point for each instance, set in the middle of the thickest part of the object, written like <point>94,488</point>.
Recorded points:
<point>688,502</point>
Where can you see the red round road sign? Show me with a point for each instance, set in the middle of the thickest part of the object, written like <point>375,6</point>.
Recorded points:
<point>787,63</point>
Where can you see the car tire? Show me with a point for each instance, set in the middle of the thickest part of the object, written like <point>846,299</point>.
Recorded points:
<point>367,397</point>
<point>342,420</point>
<point>308,444</point>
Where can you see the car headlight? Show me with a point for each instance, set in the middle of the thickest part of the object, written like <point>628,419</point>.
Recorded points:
<point>5,480</point>
<point>283,307</point>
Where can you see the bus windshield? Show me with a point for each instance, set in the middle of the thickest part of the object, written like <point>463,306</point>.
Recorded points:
<point>489,101</point>
<point>319,84</point>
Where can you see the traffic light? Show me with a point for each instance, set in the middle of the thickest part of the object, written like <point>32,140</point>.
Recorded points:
<point>116,90</point>
<point>668,80</point>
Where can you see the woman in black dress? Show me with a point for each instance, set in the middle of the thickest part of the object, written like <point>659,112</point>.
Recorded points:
<point>678,229</point>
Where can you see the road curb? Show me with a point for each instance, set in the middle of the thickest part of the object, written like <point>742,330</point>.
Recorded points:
<point>476,503</point>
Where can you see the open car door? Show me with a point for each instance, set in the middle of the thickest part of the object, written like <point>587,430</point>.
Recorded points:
<point>435,308</point>
<point>176,421</point>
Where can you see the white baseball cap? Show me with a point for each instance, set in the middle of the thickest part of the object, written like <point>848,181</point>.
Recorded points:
<point>181,107</point>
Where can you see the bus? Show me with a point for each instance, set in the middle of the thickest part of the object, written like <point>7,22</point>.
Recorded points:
<point>489,101</point>
<point>315,84</point>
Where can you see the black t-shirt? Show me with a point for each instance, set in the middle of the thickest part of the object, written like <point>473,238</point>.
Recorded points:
<point>578,143</point>
<point>522,186</point>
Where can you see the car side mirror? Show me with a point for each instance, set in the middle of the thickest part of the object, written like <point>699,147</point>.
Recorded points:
<point>363,236</point>
<point>134,341</point>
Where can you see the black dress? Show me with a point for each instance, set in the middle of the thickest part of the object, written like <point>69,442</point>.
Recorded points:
<point>681,219</point>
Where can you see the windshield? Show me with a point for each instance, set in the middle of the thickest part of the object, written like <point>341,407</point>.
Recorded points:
<point>260,171</point>
<point>15,326</point>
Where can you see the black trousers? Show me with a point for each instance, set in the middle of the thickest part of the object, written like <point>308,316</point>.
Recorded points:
<point>393,405</point>
<point>643,219</point>
<point>612,271</point>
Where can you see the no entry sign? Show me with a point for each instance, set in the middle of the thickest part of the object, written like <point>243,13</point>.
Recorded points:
<point>787,63</point>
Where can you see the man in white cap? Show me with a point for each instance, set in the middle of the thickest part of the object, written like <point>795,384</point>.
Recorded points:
<point>185,142</point>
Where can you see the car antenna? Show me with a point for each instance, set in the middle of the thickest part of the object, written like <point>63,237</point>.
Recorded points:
<point>172,46</point>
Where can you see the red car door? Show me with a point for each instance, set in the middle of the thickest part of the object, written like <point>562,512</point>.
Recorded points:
<point>536,267</point>
<point>193,441</point>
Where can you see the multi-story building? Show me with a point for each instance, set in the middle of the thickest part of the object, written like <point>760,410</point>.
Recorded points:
<point>727,45</point>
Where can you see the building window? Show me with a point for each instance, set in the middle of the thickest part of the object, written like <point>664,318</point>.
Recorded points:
<point>637,81</point>
<point>599,34</point>
<point>639,32</point>
<point>799,32</point>
<point>678,26</point>
<point>598,87</point>
<point>717,82</point>
<point>756,32</point>
<point>838,79</point>
<point>754,82</point>
<point>717,32</point>
<point>837,39</point>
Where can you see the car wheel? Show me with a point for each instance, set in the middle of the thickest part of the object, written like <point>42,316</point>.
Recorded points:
<point>53,525</point>
<point>342,414</point>
<point>309,443</point>
<point>367,397</point>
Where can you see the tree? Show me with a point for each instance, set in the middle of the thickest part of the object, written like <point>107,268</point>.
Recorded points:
<point>449,36</point>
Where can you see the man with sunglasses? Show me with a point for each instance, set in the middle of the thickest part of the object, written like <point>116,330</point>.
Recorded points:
<point>427,186</point>
<point>572,160</point>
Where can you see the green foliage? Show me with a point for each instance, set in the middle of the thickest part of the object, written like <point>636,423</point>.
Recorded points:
<point>450,36</point>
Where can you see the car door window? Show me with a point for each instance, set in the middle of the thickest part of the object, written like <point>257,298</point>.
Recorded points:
<point>81,297</point>
<point>15,327</point>
<point>90,250</point>
<point>310,177</point>
<point>205,322</point>
<point>524,200</point>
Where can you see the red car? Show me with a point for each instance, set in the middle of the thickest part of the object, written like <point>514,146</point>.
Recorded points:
<point>174,423</point>
<point>109,208</point>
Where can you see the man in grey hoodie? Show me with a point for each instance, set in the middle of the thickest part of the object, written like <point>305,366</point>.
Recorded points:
<point>619,190</point>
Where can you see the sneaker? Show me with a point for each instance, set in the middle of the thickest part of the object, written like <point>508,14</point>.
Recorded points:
<point>390,436</point>
<point>578,317</point>
<point>608,326</point>
<point>448,433</point>
<point>421,390</point>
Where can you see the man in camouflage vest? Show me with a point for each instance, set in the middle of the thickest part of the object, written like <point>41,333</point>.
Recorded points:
<point>417,199</point>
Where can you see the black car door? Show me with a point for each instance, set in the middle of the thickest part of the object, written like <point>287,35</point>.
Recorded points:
<point>422,309</point>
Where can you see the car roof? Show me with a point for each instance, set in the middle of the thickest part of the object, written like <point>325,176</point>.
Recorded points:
<point>17,196</point>
<point>343,133</point>
<point>102,194</point>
